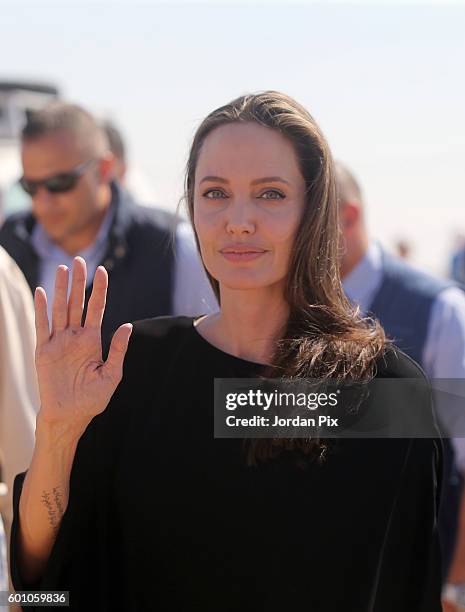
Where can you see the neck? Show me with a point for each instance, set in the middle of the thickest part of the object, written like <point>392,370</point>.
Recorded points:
<point>249,323</point>
<point>354,254</point>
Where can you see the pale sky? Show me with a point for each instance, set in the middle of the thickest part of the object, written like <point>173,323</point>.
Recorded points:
<point>384,80</point>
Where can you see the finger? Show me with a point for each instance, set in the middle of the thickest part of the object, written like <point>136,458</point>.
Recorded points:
<point>98,298</point>
<point>41,316</point>
<point>118,348</point>
<point>77,294</point>
<point>60,300</point>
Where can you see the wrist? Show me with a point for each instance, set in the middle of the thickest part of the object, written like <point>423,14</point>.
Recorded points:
<point>58,435</point>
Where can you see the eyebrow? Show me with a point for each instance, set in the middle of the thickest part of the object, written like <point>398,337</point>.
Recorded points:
<point>214,179</point>
<point>265,179</point>
<point>269,179</point>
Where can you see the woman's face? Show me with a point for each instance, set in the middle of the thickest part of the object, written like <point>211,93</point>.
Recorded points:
<point>248,200</point>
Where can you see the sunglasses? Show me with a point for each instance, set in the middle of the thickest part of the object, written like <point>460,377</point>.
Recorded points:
<point>59,183</point>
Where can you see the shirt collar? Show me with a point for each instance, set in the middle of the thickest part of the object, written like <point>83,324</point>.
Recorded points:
<point>363,281</point>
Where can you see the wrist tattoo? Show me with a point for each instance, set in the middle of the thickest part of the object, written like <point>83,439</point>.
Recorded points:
<point>54,505</point>
<point>58,501</point>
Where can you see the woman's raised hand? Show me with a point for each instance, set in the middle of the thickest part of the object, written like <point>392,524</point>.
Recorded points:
<point>74,383</point>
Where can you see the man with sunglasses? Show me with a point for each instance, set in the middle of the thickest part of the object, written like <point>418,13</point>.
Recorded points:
<point>78,209</point>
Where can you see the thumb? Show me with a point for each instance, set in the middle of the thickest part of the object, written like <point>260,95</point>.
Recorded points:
<point>118,348</point>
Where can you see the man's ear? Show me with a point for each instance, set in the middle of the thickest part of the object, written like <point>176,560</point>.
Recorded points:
<point>107,167</point>
<point>350,213</point>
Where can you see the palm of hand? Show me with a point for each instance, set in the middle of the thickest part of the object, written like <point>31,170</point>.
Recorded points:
<point>74,383</point>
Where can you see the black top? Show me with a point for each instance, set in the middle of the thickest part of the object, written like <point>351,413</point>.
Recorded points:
<point>162,516</point>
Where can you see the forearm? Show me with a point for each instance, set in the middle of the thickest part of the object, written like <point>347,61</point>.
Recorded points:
<point>44,497</point>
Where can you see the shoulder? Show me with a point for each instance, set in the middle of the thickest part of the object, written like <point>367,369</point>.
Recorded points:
<point>18,217</point>
<point>447,321</point>
<point>154,216</point>
<point>150,363</point>
<point>401,392</point>
<point>158,338</point>
<point>450,304</point>
<point>7,266</point>
<point>162,329</point>
<point>148,217</point>
<point>444,352</point>
<point>153,345</point>
<point>149,233</point>
<point>394,363</point>
<point>12,279</point>
<point>414,280</point>
<point>18,223</point>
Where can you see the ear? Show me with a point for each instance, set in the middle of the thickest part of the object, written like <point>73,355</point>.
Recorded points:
<point>106,167</point>
<point>350,214</point>
<point>120,169</point>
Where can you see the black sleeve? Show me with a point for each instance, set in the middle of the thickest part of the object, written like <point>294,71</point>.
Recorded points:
<point>78,554</point>
<point>411,564</point>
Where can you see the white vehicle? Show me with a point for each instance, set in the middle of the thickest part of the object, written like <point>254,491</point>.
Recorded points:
<point>16,100</point>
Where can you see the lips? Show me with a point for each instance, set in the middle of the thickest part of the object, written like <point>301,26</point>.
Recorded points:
<point>242,253</point>
<point>239,249</point>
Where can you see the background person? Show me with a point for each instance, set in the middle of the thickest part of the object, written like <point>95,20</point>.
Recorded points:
<point>19,400</point>
<point>425,316</point>
<point>78,209</point>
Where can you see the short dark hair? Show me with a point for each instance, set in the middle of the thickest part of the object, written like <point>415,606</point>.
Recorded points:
<point>115,140</point>
<point>58,116</point>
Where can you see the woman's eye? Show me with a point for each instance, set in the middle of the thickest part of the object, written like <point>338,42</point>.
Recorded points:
<point>272,194</point>
<point>214,194</point>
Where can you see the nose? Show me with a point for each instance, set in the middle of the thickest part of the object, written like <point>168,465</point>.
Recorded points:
<point>240,218</point>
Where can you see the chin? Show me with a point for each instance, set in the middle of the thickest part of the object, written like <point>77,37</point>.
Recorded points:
<point>57,236</point>
<point>244,283</point>
<point>245,278</point>
<point>54,233</point>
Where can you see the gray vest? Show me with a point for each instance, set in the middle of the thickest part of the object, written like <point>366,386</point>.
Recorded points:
<point>403,304</point>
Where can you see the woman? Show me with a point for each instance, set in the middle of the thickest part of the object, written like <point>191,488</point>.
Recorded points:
<point>136,506</point>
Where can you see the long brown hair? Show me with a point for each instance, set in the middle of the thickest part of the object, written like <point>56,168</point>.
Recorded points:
<point>324,336</point>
